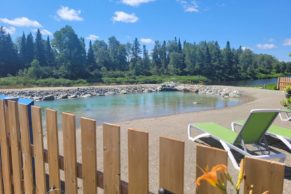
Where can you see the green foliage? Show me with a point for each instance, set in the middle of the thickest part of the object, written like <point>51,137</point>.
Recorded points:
<point>20,82</point>
<point>288,89</point>
<point>154,79</point>
<point>271,87</point>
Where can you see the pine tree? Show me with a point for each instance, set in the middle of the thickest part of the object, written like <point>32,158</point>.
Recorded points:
<point>135,61</point>
<point>90,62</point>
<point>9,63</point>
<point>49,54</point>
<point>39,49</point>
<point>29,50</point>
<point>146,61</point>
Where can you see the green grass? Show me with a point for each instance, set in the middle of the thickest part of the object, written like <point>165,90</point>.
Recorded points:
<point>20,82</point>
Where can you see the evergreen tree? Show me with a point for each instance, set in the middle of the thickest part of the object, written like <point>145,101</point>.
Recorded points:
<point>29,50</point>
<point>136,61</point>
<point>9,63</point>
<point>156,59</point>
<point>49,54</point>
<point>146,61</point>
<point>228,62</point>
<point>22,51</point>
<point>101,53</point>
<point>39,49</point>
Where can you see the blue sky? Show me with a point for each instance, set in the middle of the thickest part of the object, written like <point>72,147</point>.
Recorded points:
<point>261,25</point>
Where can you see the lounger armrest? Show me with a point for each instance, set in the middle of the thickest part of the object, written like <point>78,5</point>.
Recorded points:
<point>236,127</point>
<point>285,115</point>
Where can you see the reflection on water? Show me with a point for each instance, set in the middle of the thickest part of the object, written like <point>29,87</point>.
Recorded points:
<point>133,106</point>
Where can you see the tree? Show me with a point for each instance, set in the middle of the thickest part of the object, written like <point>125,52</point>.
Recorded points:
<point>228,61</point>
<point>146,61</point>
<point>117,53</point>
<point>29,47</point>
<point>49,54</point>
<point>156,59</point>
<point>39,49</point>
<point>22,51</point>
<point>70,52</point>
<point>101,53</point>
<point>136,61</point>
<point>9,63</point>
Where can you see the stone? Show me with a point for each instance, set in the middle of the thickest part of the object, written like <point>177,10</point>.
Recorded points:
<point>48,98</point>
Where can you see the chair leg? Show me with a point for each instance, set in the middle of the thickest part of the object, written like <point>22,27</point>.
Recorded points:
<point>230,155</point>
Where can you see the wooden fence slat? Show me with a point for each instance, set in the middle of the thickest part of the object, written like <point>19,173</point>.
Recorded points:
<point>70,155</point>
<point>89,160</point>
<point>208,156</point>
<point>53,151</point>
<point>172,165</point>
<point>26,151</point>
<point>15,146</point>
<point>111,152</point>
<point>264,176</point>
<point>1,179</point>
<point>40,178</point>
<point>138,162</point>
<point>283,82</point>
<point>5,152</point>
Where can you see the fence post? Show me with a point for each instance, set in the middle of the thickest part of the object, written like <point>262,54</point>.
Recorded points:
<point>263,176</point>
<point>172,165</point>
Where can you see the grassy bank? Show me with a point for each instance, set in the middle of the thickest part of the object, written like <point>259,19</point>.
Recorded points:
<point>23,82</point>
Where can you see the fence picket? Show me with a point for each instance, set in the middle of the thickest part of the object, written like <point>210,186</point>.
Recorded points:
<point>70,155</point>
<point>89,160</point>
<point>172,165</point>
<point>263,176</point>
<point>53,151</point>
<point>15,146</point>
<point>40,180</point>
<point>26,150</point>
<point>138,162</point>
<point>5,152</point>
<point>111,152</point>
<point>283,82</point>
<point>208,156</point>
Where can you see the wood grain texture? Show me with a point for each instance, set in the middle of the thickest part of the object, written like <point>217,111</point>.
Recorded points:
<point>172,165</point>
<point>138,162</point>
<point>89,158</point>
<point>111,152</point>
<point>208,157</point>
<point>53,151</point>
<point>13,120</point>
<point>5,152</point>
<point>264,176</point>
<point>40,179</point>
<point>26,151</point>
<point>70,156</point>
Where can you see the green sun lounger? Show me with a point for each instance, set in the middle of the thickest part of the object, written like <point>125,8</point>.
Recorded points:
<point>281,133</point>
<point>252,132</point>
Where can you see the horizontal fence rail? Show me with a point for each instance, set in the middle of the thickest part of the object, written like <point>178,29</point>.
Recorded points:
<point>27,167</point>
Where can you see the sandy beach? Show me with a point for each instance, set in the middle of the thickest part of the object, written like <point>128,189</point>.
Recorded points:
<point>175,126</point>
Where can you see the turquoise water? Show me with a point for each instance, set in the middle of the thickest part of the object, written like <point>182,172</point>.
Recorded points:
<point>132,106</point>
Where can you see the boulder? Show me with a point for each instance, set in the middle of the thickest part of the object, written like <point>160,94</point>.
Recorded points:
<point>48,98</point>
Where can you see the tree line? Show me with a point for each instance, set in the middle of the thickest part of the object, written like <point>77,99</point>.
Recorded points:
<point>66,56</point>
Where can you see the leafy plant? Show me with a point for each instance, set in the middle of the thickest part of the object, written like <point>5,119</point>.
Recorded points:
<point>288,89</point>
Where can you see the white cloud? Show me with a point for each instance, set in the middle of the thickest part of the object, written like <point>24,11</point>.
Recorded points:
<point>287,42</point>
<point>65,13</point>
<point>266,46</point>
<point>92,37</point>
<point>9,30</point>
<point>135,2</point>
<point>44,32</point>
<point>189,5</point>
<point>146,41</point>
<point>22,22</point>
<point>120,16</point>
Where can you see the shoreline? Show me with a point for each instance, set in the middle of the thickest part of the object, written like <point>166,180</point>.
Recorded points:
<point>56,93</point>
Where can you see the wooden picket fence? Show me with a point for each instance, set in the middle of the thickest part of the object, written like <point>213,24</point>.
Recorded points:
<point>23,170</point>
<point>283,82</point>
